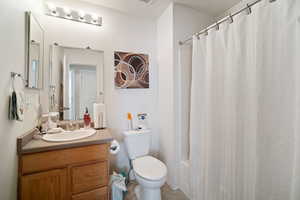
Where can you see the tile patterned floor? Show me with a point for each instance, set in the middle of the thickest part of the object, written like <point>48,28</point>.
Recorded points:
<point>167,193</point>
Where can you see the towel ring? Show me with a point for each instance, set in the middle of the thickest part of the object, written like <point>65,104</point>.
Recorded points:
<point>14,75</point>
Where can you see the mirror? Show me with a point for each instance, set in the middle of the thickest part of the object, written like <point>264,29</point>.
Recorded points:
<point>34,51</point>
<point>76,81</point>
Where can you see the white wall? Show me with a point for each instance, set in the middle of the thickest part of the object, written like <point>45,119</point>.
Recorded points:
<point>12,57</point>
<point>165,48</point>
<point>119,32</point>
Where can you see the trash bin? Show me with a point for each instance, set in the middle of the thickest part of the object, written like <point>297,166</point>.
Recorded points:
<point>118,186</point>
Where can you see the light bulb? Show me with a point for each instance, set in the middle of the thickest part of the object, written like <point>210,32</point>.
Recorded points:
<point>81,15</point>
<point>67,12</point>
<point>95,18</point>
<point>52,9</point>
<point>51,6</point>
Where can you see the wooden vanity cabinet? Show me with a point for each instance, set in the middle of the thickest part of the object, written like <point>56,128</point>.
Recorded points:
<point>80,173</point>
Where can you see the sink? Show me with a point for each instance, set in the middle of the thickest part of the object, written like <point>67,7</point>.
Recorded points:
<point>66,136</point>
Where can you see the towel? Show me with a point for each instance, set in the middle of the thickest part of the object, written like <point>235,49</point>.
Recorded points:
<point>16,106</point>
<point>13,110</point>
<point>20,105</point>
<point>10,117</point>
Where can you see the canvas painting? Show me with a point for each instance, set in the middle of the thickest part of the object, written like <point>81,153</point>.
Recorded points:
<point>131,70</point>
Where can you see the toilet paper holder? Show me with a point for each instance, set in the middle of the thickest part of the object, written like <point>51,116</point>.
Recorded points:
<point>114,147</point>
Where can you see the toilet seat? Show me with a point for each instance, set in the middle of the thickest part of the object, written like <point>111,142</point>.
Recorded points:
<point>149,168</point>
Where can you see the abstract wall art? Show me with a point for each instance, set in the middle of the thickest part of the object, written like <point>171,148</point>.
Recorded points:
<point>131,70</point>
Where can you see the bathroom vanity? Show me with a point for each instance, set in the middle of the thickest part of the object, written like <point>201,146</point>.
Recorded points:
<point>75,170</point>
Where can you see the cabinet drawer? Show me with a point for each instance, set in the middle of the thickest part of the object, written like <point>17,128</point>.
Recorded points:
<point>89,177</point>
<point>61,158</point>
<point>98,194</point>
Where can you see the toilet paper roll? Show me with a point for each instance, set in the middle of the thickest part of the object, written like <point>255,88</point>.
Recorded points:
<point>114,147</point>
<point>99,116</point>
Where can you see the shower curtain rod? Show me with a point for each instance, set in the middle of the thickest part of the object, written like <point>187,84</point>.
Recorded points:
<point>230,17</point>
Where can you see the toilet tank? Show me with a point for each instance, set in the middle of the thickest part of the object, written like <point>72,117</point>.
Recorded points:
<point>137,143</point>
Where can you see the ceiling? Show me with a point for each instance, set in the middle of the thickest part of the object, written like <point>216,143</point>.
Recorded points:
<point>212,7</point>
<point>156,7</point>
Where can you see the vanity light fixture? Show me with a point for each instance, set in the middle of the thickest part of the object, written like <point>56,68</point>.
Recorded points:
<point>74,15</point>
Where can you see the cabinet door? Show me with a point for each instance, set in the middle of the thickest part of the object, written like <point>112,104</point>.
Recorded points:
<point>89,177</point>
<point>49,185</point>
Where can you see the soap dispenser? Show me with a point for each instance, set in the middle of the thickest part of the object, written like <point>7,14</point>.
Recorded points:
<point>87,119</point>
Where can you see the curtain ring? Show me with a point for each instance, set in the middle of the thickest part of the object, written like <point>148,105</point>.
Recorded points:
<point>217,26</point>
<point>230,19</point>
<point>206,32</point>
<point>198,36</point>
<point>271,1</point>
<point>248,9</point>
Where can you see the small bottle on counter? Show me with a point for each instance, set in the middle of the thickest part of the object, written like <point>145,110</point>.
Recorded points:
<point>129,119</point>
<point>87,119</point>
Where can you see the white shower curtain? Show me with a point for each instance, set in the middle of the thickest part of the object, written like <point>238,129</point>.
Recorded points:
<point>245,106</point>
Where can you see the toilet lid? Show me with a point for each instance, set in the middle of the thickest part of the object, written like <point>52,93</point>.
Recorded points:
<point>149,168</point>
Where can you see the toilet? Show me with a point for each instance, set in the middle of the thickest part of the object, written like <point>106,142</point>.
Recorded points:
<point>150,173</point>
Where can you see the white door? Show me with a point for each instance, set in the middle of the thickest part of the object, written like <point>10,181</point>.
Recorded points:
<point>87,92</point>
<point>83,90</point>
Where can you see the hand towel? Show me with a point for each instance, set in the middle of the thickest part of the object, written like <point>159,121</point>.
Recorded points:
<point>10,117</point>
<point>20,105</point>
<point>13,110</point>
<point>16,106</point>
